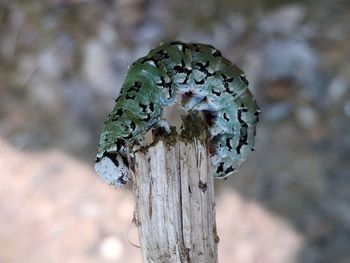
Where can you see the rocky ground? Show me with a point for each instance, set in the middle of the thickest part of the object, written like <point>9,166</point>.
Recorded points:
<point>62,63</point>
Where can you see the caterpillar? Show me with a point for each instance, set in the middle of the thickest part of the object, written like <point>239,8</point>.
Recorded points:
<point>197,78</point>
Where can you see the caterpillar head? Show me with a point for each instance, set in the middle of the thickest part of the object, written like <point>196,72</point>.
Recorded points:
<point>112,167</point>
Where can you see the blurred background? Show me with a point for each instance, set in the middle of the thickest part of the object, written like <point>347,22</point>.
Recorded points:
<point>62,63</point>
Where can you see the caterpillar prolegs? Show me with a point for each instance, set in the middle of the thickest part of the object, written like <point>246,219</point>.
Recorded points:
<point>198,79</point>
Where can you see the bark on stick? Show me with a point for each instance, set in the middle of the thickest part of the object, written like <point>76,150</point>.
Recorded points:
<point>175,207</point>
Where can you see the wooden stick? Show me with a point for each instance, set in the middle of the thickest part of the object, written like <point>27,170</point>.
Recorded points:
<point>175,207</point>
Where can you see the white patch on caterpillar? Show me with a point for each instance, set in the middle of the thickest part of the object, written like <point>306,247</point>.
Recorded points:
<point>151,63</point>
<point>110,173</point>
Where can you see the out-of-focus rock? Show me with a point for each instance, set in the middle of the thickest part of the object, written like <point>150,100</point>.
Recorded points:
<point>337,89</point>
<point>285,20</point>
<point>225,34</point>
<point>277,111</point>
<point>347,108</point>
<point>306,116</point>
<point>289,59</point>
<point>296,61</point>
<point>149,32</point>
<point>107,33</point>
<point>98,68</point>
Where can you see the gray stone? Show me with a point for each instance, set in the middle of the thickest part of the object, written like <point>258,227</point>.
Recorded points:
<point>306,116</point>
<point>347,108</point>
<point>98,68</point>
<point>285,20</point>
<point>277,111</point>
<point>336,89</point>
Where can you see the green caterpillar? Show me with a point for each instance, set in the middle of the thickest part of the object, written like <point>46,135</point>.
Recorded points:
<point>198,79</point>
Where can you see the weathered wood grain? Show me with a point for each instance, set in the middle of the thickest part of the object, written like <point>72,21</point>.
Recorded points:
<point>175,207</point>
